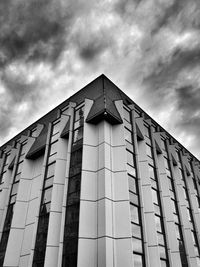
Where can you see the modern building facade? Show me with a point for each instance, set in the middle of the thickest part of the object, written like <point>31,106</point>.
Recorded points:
<point>96,182</point>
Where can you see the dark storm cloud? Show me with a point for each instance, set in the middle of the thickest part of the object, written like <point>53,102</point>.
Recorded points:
<point>92,49</point>
<point>17,92</point>
<point>166,73</point>
<point>31,30</point>
<point>188,102</point>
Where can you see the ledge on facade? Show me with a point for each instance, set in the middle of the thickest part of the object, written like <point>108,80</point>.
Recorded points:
<point>65,131</point>
<point>104,108</point>
<point>38,147</point>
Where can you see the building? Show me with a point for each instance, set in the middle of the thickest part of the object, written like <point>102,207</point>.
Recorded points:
<point>96,182</point>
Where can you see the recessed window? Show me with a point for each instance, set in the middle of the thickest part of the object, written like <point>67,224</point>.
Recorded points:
<point>134,214</point>
<point>127,115</point>
<point>137,244</point>
<point>132,184</point>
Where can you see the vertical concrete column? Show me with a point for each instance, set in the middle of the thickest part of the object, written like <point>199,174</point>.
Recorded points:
<point>182,206</point>
<point>189,238</point>
<point>13,251</point>
<point>65,155</point>
<point>140,192</point>
<point>193,202</point>
<point>34,203</point>
<point>104,224</point>
<point>87,244</point>
<point>196,208</point>
<point>148,208</point>
<point>30,180</point>
<point>173,247</point>
<point>54,229</point>
<point>120,195</point>
<point>32,211</point>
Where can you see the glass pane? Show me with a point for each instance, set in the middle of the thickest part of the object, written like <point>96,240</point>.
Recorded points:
<point>176,219</point>
<point>127,125</point>
<point>72,214</point>
<point>13,199</point>
<point>132,184</point>
<point>127,115</point>
<point>133,198</point>
<point>137,245</point>
<point>50,170</point>
<point>152,172</point>
<point>172,194</point>
<point>48,182</point>
<point>131,170</point>
<point>173,206</point>
<point>78,124</point>
<point>147,131</point>
<point>17,177</point>
<point>2,179</point>
<point>160,239</point>
<point>74,184</point>
<point>19,167</point>
<point>182,254</point>
<point>14,188</point>
<point>162,252</point>
<point>76,162</point>
<point>34,132</point>
<point>73,198</point>
<point>154,184</point>
<point>129,146</point>
<point>154,196</point>
<point>78,134</point>
<point>9,216</point>
<point>53,148</point>
<point>56,127</point>
<point>130,158</point>
<point>79,114</point>
<point>134,214</point>
<point>137,260</point>
<point>76,157</point>
<point>149,151</point>
<point>52,158</point>
<point>136,230</point>
<point>157,209</point>
<point>23,149</point>
<point>168,173</point>
<point>177,228</point>
<point>128,135</point>
<point>45,208</point>
<point>158,224</point>
<point>47,195</point>
<point>170,184</point>
<point>21,158</point>
<point>54,137</point>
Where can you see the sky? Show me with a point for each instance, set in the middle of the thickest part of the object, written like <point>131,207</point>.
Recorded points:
<point>49,49</point>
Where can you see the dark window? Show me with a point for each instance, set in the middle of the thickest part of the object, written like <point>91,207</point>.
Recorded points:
<point>70,246</point>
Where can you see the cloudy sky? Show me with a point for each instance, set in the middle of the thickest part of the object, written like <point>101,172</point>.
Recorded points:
<point>49,49</point>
